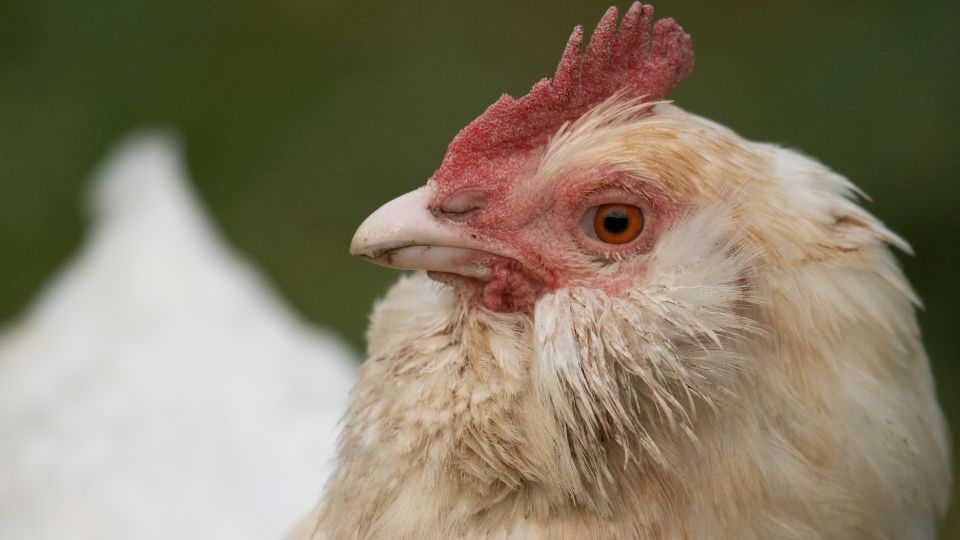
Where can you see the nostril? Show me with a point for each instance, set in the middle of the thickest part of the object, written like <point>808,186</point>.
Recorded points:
<point>461,205</point>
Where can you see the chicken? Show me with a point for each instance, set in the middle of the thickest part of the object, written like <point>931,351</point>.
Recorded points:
<point>159,388</point>
<point>633,323</point>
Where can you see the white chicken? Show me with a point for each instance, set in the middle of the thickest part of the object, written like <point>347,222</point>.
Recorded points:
<point>635,323</point>
<point>159,388</point>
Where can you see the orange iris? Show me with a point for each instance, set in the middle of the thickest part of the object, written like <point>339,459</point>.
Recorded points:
<point>617,223</point>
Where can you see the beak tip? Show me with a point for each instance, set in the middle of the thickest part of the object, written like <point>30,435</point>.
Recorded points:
<point>357,247</point>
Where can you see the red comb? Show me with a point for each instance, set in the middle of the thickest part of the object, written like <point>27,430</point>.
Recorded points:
<point>633,60</point>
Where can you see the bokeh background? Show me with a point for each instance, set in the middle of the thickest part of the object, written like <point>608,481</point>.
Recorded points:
<point>300,117</point>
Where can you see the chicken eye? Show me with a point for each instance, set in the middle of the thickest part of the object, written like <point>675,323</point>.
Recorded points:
<point>617,223</point>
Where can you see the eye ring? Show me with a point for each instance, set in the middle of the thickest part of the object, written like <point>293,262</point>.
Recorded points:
<point>617,223</point>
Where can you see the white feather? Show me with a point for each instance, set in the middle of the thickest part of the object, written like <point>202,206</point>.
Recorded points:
<point>159,388</point>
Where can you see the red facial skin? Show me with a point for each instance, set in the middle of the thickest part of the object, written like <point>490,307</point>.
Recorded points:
<point>539,239</point>
<point>545,238</point>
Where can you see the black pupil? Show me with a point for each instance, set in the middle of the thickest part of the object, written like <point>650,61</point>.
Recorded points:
<point>616,221</point>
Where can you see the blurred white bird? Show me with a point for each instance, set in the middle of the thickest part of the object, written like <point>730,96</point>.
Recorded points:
<point>159,387</point>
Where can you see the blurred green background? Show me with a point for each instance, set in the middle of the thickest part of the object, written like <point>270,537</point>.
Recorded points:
<point>300,117</point>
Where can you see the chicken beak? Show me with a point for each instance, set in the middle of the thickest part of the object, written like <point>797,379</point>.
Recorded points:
<point>405,235</point>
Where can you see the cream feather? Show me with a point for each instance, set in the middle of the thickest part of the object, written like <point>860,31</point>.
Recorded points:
<point>762,378</point>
